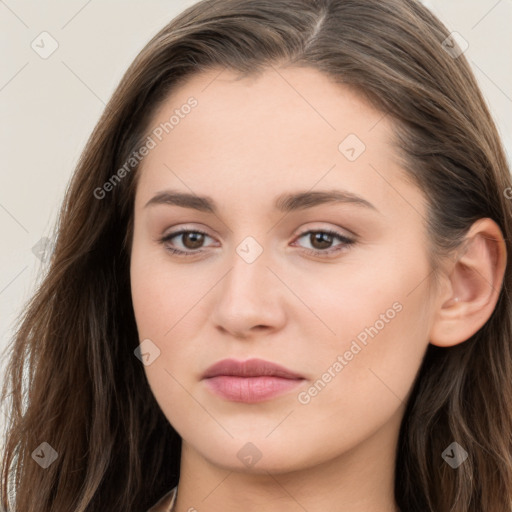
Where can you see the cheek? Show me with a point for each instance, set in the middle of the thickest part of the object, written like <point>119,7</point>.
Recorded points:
<point>364,378</point>
<point>158,309</point>
<point>368,295</point>
<point>380,316</point>
<point>161,292</point>
<point>167,307</point>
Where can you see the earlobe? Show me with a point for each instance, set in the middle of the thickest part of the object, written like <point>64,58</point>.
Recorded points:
<point>475,280</point>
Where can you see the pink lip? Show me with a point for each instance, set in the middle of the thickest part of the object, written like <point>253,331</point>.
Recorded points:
<point>254,380</point>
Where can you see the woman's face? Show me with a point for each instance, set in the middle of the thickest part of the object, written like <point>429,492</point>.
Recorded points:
<point>268,167</point>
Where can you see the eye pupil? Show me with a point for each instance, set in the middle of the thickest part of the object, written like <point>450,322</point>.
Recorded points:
<point>325,240</point>
<point>196,238</point>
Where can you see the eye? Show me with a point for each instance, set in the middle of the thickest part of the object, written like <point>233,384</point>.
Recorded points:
<point>192,240</point>
<point>322,240</point>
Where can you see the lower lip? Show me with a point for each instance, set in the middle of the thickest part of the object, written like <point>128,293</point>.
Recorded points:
<point>250,389</point>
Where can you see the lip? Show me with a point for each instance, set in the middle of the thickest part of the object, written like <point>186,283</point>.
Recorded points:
<point>251,381</point>
<point>249,368</point>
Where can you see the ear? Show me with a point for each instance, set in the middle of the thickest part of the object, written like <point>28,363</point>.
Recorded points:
<point>473,285</point>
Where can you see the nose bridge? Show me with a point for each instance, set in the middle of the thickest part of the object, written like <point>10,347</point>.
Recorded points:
<point>248,296</point>
<point>249,267</point>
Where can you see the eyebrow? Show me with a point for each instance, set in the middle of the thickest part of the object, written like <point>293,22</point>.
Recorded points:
<point>285,202</point>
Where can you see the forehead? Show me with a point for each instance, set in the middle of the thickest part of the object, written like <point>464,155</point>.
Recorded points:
<point>288,102</point>
<point>286,128</point>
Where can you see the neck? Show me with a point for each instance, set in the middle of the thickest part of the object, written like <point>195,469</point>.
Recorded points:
<point>359,480</point>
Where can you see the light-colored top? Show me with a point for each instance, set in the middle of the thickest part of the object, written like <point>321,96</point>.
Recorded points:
<point>166,502</point>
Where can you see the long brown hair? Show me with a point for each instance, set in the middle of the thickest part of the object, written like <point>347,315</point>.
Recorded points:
<point>73,381</point>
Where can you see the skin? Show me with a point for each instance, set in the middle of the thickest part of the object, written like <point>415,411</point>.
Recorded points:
<point>248,141</point>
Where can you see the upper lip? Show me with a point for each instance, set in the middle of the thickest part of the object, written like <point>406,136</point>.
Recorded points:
<point>249,368</point>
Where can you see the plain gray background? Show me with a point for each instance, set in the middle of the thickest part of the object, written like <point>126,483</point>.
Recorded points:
<point>49,106</point>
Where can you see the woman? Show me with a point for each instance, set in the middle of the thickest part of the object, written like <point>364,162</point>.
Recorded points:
<point>280,278</point>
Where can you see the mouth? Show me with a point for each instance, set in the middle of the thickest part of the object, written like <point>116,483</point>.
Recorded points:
<point>251,381</point>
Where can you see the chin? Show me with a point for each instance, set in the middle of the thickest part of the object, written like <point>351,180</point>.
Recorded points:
<point>259,456</point>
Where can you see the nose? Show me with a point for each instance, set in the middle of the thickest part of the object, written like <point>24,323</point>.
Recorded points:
<point>250,299</point>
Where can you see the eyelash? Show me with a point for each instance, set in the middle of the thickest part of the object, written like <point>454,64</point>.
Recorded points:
<point>347,242</point>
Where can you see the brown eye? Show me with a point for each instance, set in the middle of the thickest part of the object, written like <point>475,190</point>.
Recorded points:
<point>320,239</point>
<point>192,239</point>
